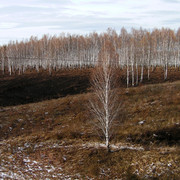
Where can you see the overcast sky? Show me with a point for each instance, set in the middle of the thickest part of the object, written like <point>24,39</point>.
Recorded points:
<point>19,19</point>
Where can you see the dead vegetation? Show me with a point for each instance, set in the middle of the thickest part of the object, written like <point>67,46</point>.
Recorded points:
<point>34,87</point>
<point>55,138</point>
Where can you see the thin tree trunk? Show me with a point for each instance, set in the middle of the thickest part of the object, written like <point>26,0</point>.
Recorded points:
<point>137,74</point>
<point>132,68</point>
<point>142,69</point>
<point>104,106</point>
<point>107,108</point>
<point>165,71</point>
<point>127,74</point>
<point>9,67</point>
<point>148,72</point>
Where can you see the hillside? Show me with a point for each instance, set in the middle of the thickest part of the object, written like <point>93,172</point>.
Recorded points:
<point>56,139</point>
<point>34,87</point>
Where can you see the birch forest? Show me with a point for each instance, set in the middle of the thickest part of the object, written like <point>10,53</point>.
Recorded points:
<point>134,51</point>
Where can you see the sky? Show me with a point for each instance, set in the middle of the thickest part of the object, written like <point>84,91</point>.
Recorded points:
<point>20,19</point>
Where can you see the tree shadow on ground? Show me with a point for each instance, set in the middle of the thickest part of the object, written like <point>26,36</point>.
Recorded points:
<point>168,136</point>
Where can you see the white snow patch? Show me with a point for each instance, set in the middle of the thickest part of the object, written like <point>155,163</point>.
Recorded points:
<point>30,170</point>
<point>141,122</point>
<point>113,146</point>
<point>26,160</point>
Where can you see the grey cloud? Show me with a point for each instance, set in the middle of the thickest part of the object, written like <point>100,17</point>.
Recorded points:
<point>163,12</point>
<point>91,23</point>
<point>171,21</point>
<point>75,21</point>
<point>63,15</point>
<point>171,1</point>
<point>18,9</point>
<point>107,2</point>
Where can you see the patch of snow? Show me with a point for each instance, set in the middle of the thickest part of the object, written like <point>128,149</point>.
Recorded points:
<point>26,160</point>
<point>64,158</point>
<point>20,148</point>
<point>31,169</point>
<point>169,164</point>
<point>127,147</point>
<point>34,162</point>
<point>20,120</point>
<point>141,122</point>
<point>50,169</point>
<point>113,146</point>
<point>55,146</point>
<point>26,145</point>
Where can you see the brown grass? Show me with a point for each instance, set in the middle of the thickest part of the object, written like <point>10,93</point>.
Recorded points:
<point>34,87</point>
<point>66,122</point>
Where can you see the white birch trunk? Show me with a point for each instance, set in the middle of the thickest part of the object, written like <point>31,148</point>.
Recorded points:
<point>142,71</point>
<point>137,79</point>
<point>104,108</point>
<point>132,69</point>
<point>127,66</point>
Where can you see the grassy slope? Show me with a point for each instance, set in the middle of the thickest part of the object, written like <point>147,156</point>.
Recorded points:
<point>59,132</point>
<point>35,87</point>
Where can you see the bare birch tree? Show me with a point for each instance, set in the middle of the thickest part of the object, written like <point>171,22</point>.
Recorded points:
<point>137,50</point>
<point>104,105</point>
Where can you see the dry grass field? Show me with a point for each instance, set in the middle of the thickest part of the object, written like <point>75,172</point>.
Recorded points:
<point>46,130</point>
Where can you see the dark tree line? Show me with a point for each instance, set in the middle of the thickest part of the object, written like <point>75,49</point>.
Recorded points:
<point>134,50</point>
